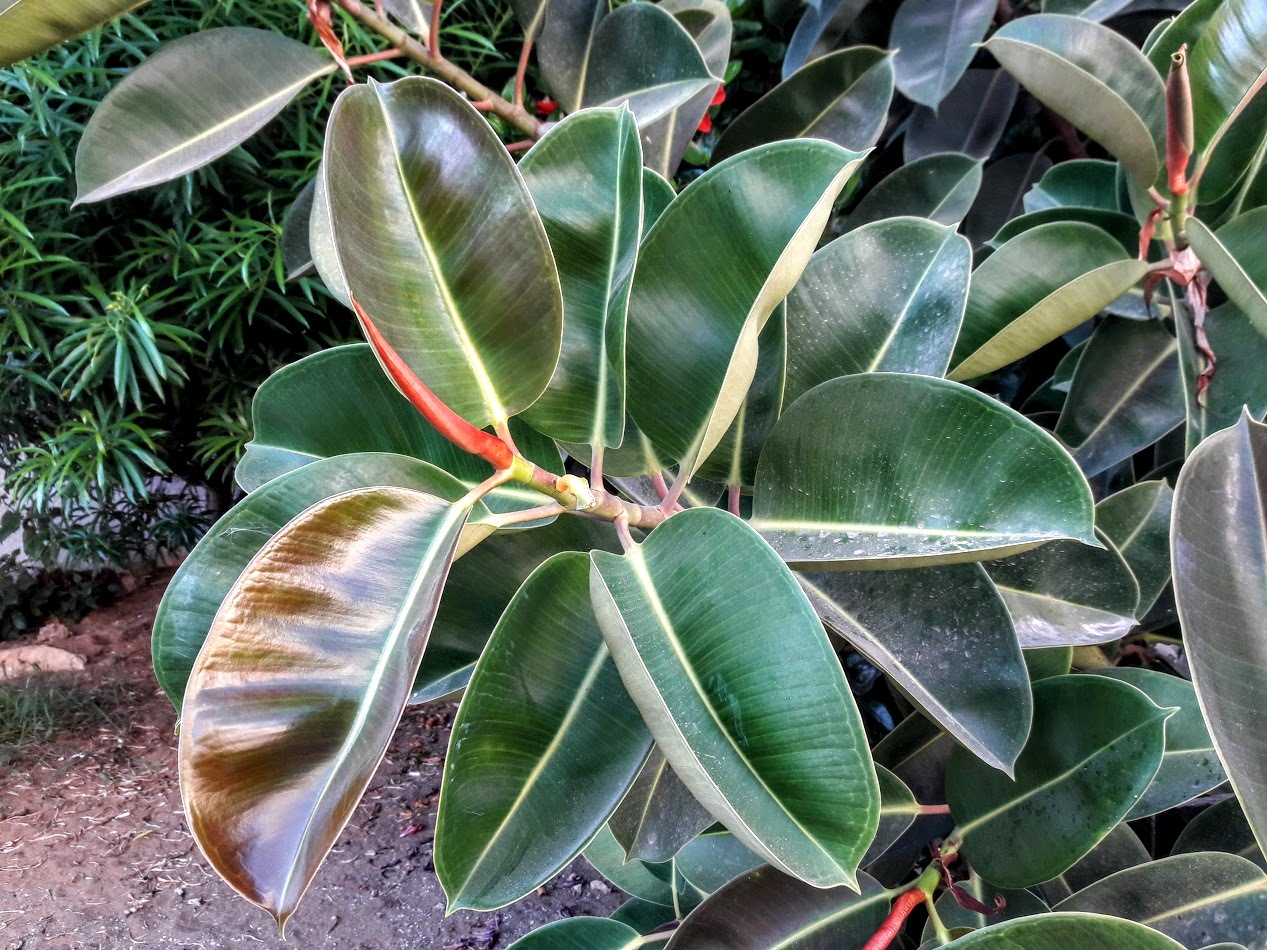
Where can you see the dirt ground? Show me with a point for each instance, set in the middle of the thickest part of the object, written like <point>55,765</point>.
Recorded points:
<point>94,852</point>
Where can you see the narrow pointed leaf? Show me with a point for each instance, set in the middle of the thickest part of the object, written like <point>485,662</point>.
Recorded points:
<point>481,584</point>
<point>458,277</point>
<point>195,99</point>
<point>1066,594</point>
<point>339,401</point>
<point>1037,286</point>
<point>585,178</point>
<point>890,615</point>
<point>935,41</point>
<point>544,718</point>
<point>1196,899</point>
<point>659,815</point>
<point>1137,521</point>
<point>776,753</point>
<point>1221,827</point>
<point>1126,394</point>
<point>1219,554</point>
<point>765,909</point>
<point>202,582</point>
<point>1228,66</point>
<point>888,297</point>
<point>1094,747</point>
<point>1019,903</point>
<point>1093,77</point>
<point>714,859</point>
<point>275,754</point>
<point>936,472</point>
<point>1062,931</point>
<point>665,141</point>
<point>296,248</point>
<point>646,881</point>
<point>970,119</point>
<point>1118,850</point>
<point>843,98</point>
<point>939,187</point>
<point>685,388</point>
<point>28,27</point>
<point>619,71</point>
<point>1235,256</point>
<point>580,933</point>
<point>1189,764</point>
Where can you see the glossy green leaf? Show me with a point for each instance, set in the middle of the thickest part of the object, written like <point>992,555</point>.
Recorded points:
<point>207,575</point>
<point>1093,77</point>
<point>1094,747</point>
<point>1118,850</point>
<point>1126,394</point>
<point>1196,899</point>
<point>776,753</point>
<point>898,811</point>
<point>1017,903</point>
<point>1236,255</point>
<point>940,187</point>
<point>1098,10</point>
<point>1219,554</point>
<point>890,617</point>
<point>585,178</point>
<point>458,277</point>
<point>564,34</point>
<point>1121,226</point>
<point>295,243</point>
<point>1044,662</point>
<point>325,257</point>
<point>1004,184</point>
<point>643,916</point>
<point>889,470</point>
<point>195,99</point>
<point>1239,381</point>
<point>620,71</point>
<point>934,43</point>
<point>544,718</point>
<point>843,98</point>
<point>1221,827</point>
<point>275,753</point>
<point>1189,765</point>
<point>580,933</point>
<point>1081,183</point>
<point>1067,594</point>
<point>888,297</point>
<point>657,195</point>
<point>658,816</point>
<point>1063,931</point>
<point>765,909</point>
<point>646,881</point>
<point>28,27</point>
<point>1228,66</point>
<point>1037,286</point>
<point>1137,521</point>
<point>734,461</point>
<point>481,584</point>
<point>916,752</point>
<point>818,30</point>
<point>971,118</point>
<point>339,401</point>
<point>714,859</point>
<point>701,297</point>
<point>665,141</point>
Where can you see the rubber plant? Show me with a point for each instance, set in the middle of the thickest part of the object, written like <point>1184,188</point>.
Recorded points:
<point>657,477</point>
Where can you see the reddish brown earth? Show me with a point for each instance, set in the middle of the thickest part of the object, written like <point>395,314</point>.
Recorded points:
<point>94,852</point>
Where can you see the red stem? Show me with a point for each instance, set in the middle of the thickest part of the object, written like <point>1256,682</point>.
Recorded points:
<point>522,71</point>
<point>374,57</point>
<point>902,908</point>
<point>433,41</point>
<point>447,422</point>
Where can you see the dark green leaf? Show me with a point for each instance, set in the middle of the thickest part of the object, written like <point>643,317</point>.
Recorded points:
<point>1236,255</point>
<point>1018,903</point>
<point>1119,849</point>
<point>649,882</point>
<point>1081,183</point>
<point>971,118</point>
<point>713,859</point>
<point>658,816</point>
<point>934,42</point>
<point>1137,521</point>
<point>1064,931</point>
<point>580,933</point>
<point>940,187</point>
<point>1238,382</point>
<point>1221,827</point>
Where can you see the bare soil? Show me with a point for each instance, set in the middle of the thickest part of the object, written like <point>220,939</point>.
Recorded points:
<point>94,851</point>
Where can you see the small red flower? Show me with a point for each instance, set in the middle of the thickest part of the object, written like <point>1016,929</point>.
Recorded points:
<point>720,97</point>
<point>546,107</point>
<point>706,123</point>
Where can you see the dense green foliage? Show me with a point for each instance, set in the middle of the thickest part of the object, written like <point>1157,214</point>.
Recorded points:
<point>663,476</point>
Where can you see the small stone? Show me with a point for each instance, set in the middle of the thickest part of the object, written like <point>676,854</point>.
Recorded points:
<point>18,662</point>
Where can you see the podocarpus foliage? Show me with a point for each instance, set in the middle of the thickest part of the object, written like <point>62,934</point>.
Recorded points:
<point>633,468</point>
